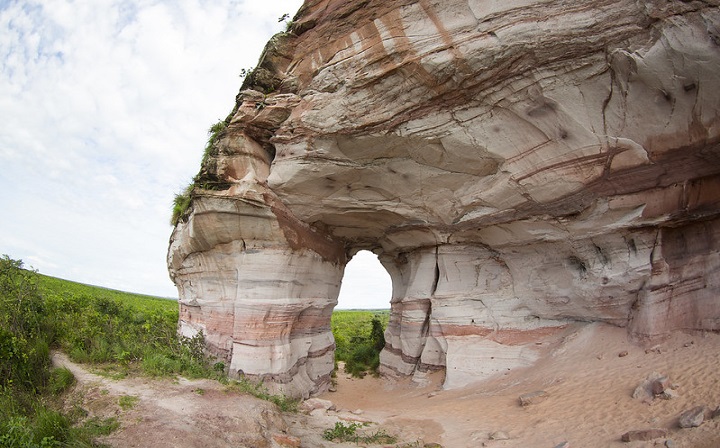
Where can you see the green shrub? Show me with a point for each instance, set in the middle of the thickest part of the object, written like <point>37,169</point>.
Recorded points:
<point>24,333</point>
<point>342,432</point>
<point>15,432</point>
<point>128,335</point>
<point>50,425</point>
<point>47,428</point>
<point>359,339</point>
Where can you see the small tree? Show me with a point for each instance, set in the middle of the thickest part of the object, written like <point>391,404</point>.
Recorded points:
<point>377,334</point>
<point>366,352</point>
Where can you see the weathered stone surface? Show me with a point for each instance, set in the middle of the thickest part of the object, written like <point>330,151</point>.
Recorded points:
<point>643,434</point>
<point>311,404</point>
<point>660,385</point>
<point>518,166</point>
<point>286,440</point>
<point>656,385</point>
<point>499,435</point>
<point>692,418</point>
<point>533,397</point>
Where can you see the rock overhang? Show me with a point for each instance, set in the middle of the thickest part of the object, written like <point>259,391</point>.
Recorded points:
<point>517,167</point>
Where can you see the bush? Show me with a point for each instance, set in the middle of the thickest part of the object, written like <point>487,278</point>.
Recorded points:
<point>24,332</point>
<point>47,428</point>
<point>50,426</point>
<point>128,336</point>
<point>359,346</point>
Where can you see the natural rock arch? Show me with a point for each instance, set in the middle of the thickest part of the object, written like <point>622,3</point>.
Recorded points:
<point>519,169</point>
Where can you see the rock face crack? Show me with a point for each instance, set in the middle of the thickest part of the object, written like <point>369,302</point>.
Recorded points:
<point>436,274</point>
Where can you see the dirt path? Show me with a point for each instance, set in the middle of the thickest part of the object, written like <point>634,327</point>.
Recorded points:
<point>186,413</point>
<point>180,413</point>
<point>588,378</point>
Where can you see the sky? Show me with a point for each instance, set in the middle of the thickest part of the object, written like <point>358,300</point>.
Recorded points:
<point>104,112</point>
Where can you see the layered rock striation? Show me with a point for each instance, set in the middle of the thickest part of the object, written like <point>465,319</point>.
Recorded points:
<point>518,167</point>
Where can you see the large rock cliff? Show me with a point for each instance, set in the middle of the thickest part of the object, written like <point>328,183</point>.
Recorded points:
<point>518,166</point>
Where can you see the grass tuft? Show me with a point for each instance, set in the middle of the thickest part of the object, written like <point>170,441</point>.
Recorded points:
<point>349,433</point>
<point>257,390</point>
<point>181,204</point>
<point>128,402</point>
<point>97,426</point>
<point>61,379</point>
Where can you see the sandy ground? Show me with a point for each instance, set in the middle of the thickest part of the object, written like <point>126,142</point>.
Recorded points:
<point>588,403</point>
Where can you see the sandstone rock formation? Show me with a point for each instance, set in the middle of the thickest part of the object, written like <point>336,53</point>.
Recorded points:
<point>517,166</point>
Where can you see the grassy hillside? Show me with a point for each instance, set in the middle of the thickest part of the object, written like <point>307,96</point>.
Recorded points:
<point>120,333</point>
<point>56,286</point>
<point>352,329</point>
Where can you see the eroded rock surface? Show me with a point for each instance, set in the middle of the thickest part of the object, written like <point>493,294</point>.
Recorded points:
<point>517,166</point>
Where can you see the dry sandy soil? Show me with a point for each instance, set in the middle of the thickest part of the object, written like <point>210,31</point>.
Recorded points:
<point>588,402</point>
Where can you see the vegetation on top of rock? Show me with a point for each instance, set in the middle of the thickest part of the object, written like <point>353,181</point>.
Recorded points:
<point>206,178</point>
<point>181,204</point>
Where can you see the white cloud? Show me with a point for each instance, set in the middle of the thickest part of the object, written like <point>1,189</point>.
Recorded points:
<point>366,284</point>
<point>105,106</point>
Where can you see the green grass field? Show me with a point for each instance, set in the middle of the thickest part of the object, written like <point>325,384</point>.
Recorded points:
<point>57,286</point>
<point>89,309</point>
<point>120,333</point>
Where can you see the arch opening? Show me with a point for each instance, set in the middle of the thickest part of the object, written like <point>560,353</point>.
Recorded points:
<point>366,284</point>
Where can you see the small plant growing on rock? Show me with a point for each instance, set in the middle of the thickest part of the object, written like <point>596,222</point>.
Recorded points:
<point>285,18</point>
<point>342,432</point>
<point>181,204</point>
<point>245,72</point>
